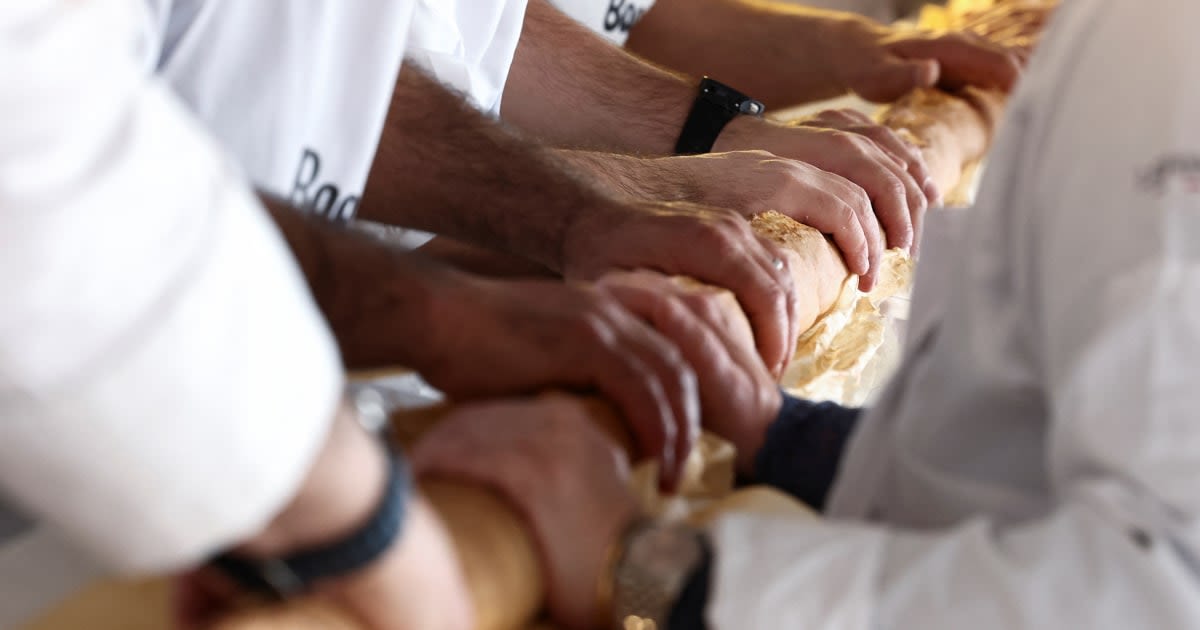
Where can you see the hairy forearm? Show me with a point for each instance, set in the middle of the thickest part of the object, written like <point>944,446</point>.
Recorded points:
<point>766,49</point>
<point>445,168</point>
<point>373,295</point>
<point>482,261</point>
<point>571,88</point>
<point>630,177</point>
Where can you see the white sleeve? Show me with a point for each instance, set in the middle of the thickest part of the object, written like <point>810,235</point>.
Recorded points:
<point>1116,248</point>
<point>165,379</point>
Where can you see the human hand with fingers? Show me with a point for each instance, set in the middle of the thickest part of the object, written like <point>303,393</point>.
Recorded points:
<point>569,481</point>
<point>714,245</point>
<point>739,397</point>
<point>488,338</point>
<point>899,187</point>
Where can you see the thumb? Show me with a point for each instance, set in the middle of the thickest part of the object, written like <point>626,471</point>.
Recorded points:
<point>896,77</point>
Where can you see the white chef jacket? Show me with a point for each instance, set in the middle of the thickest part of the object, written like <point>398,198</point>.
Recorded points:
<point>165,379</point>
<point>1036,463</point>
<point>298,90</point>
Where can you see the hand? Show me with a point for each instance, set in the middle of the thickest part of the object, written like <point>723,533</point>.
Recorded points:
<point>851,121</point>
<point>415,585</point>
<point>567,479</point>
<point>489,338</point>
<point>739,398</point>
<point>890,181</point>
<point>712,245</point>
<point>882,64</point>
<point>753,182</point>
<point>1016,26</point>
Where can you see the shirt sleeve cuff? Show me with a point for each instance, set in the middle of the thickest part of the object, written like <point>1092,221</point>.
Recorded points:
<point>804,447</point>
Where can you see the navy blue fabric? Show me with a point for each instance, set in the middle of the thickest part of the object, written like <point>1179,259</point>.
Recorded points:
<point>803,448</point>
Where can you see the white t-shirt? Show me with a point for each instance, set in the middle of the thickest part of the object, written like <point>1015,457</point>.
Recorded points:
<point>466,46</point>
<point>610,18</point>
<point>298,91</point>
<point>1035,463</point>
<point>614,18</point>
<point>165,378</point>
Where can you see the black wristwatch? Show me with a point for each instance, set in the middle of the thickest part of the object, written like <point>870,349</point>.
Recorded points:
<point>280,578</point>
<point>714,107</point>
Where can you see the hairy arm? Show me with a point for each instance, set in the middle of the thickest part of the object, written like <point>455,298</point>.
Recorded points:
<point>744,42</point>
<point>571,88</point>
<point>482,261</point>
<point>445,168</point>
<point>373,295</point>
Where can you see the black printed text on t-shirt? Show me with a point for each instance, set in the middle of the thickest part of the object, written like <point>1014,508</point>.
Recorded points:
<point>622,14</point>
<point>322,198</point>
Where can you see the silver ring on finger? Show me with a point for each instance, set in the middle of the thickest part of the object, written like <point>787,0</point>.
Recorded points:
<point>777,264</point>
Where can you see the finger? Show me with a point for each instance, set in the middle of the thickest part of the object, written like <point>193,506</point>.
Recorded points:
<point>964,60</point>
<point>775,262</point>
<point>736,259</point>
<point>895,77</point>
<point>890,188</point>
<point>897,220</point>
<point>914,162</point>
<point>837,117</point>
<point>709,354</point>
<point>678,381</point>
<point>715,307</point>
<point>838,213</point>
<point>624,377</point>
<point>853,116</point>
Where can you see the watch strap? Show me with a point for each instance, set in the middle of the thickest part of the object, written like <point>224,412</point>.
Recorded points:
<point>715,105</point>
<point>295,573</point>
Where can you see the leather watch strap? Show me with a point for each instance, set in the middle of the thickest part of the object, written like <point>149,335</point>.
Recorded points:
<point>714,107</point>
<point>296,573</point>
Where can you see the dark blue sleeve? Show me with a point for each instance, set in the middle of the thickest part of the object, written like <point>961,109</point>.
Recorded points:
<point>803,448</point>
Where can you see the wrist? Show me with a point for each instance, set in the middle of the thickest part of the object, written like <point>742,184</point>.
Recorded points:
<point>343,488</point>
<point>752,429</point>
<point>417,582</point>
<point>632,178</point>
<point>741,134</point>
<point>585,238</point>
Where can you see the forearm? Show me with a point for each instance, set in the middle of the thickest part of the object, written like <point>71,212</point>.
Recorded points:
<point>444,168</point>
<point>338,494</point>
<point>375,297</point>
<point>571,88</point>
<point>482,261</point>
<point>414,581</point>
<point>768,50</point>
<point>952,130</point>
<point>630,177</point>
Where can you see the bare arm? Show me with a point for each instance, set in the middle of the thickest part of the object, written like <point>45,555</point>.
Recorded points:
<point>415,583</point>
<point>373,295</point>
<point>445,168</point>
<point>569,87</point>
<point>786,54</point>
